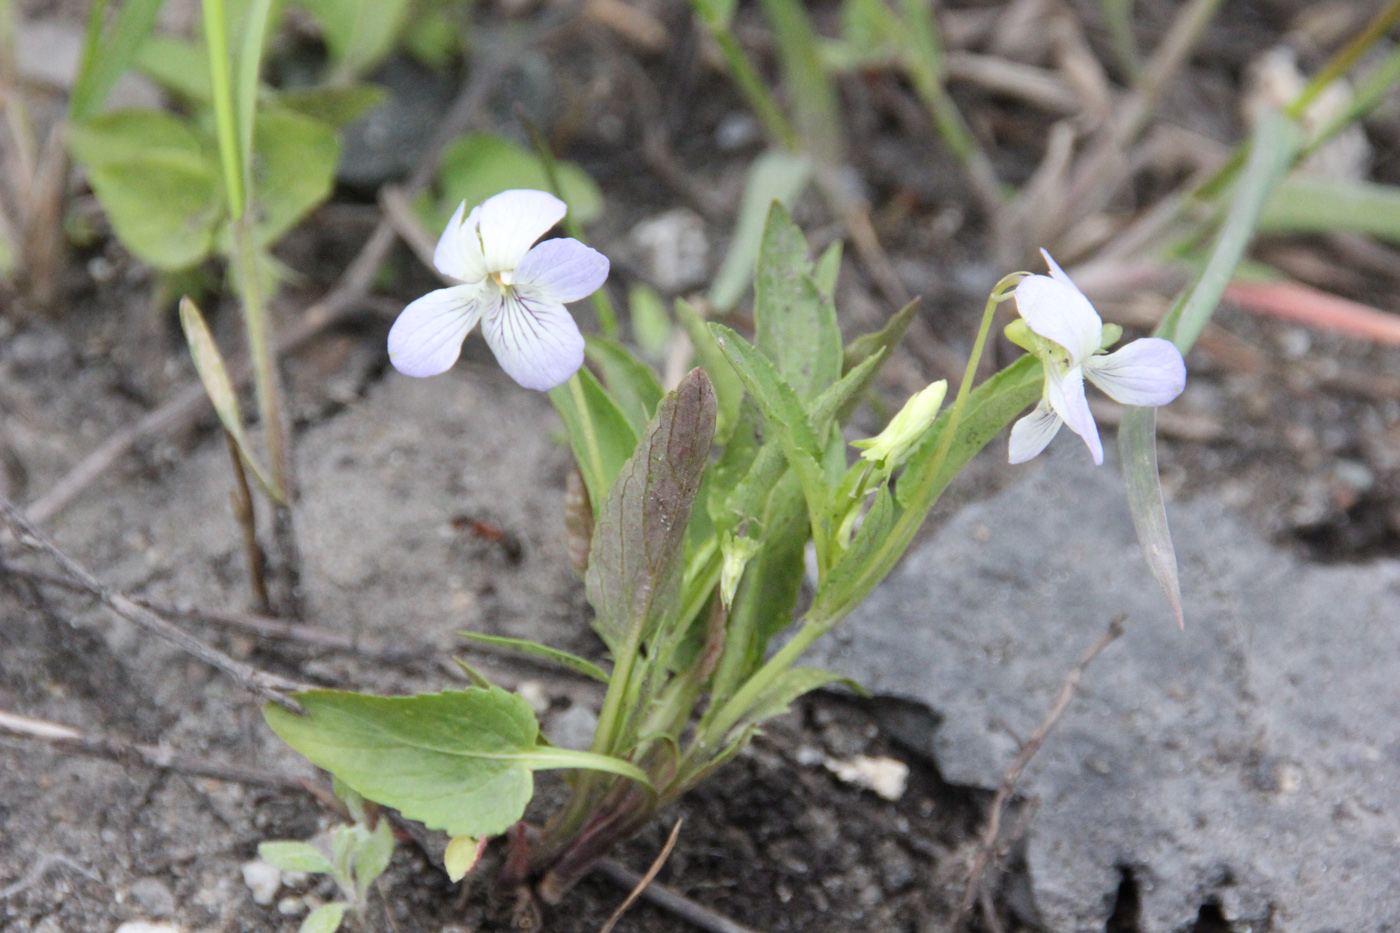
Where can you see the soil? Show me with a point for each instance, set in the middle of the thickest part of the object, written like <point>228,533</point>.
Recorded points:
<point>434,506</point>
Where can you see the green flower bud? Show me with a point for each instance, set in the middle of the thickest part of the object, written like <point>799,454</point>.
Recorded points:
<point>735,554</point>
<point>891,447</point>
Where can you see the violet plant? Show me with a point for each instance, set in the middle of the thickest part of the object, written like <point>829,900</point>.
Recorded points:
<point>700,506</point>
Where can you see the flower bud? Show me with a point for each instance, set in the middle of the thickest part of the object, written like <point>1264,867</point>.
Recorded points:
<point>892,446</point>
<point>735,555</point>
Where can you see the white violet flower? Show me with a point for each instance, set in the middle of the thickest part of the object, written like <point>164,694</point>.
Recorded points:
<point>516,288</point>
<point>1149,371</point>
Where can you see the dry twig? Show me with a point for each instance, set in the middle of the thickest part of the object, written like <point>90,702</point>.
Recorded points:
<point>646,879</point>
<point>987,849</point>
<point>261,683</point>
<point>152,756</point>
<point>667,899</point>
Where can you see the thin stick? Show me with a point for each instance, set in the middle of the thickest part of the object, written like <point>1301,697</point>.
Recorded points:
<point>268,686</point>
<point>986,850</point>
<point>349,293</point>
<point>673,901</point>
<point>152,756</point>
<point>244,514</point>
<point>646,879</point>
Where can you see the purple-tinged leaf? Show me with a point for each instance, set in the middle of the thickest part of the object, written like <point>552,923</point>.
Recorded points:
<point>634,567</point>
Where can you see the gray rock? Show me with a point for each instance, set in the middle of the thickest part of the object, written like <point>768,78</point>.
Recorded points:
<point>1250,760</point>
<point>573,727</point>
<point>153,896</point>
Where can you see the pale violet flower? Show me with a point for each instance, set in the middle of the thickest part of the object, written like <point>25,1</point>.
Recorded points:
<point>516,288</point>
<point>1149,371</point>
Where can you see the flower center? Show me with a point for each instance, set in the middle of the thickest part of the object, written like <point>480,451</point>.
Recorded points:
<point>504,280</point>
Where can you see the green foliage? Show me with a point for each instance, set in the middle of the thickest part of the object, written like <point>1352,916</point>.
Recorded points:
<point>542,652</point>
<point>601,435</point>
<point>324,919</point>
<point>336,106</point>
<point>628,379</point>
<point>108,51</point>
<point>480,165</point>
<point>634,567</point>
<point>359,33</point>
<point>157,180</point>
<point>794,319</point>
<point>774,176</point>
<point>293,170</point>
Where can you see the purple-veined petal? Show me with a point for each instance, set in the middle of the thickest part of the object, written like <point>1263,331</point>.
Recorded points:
<point>535,340</point>
<point>1056,310</point>
<point>512,221</point>
<point>1149,371</point>
<point>1066,396</point>
<point>458,252</point>
<point>562,270</point>
<point>427,337</point>
<point>1033,433</point>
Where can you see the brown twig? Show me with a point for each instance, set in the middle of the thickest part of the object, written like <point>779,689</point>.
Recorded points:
<point>695,914</point>
<point>349,292</point>
<point>244,513</point>
<point>987,849</point>
<point>268,686</point>
<point>646,879</point>
<point>153,756</point>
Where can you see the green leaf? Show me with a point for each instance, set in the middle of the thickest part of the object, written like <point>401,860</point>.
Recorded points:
<point>795,323</point>
<point>811,90</point>
<point>158,185</point>
<point>109,53</point>
<point>1307,203</point>
<point>634,567</point>
<point>325,919</point>
<point>247,67</point>
<point>630,381</point>
<point>1276,142</point>
<point>179,65</point>
<point>459,760</point>
<point>461,856</point>
<point>729,388</point>
<point>768,594</point>
<point>867,346</point>
<point>359,33</point>
<point>782,412</point>
<point>828,269</point>
<point>716,12</point>
<point>543,652</point>
<point>988,409</point>
<point>373,856</point>
<point>294,170</point>
<point>774,176</point>
<point>651,324</point>
<point>600,434</point>
<point>791,684</point>
<point>480,165</point>
<point>213,373</point>
<point>334,105</point>
<point>294,856</point>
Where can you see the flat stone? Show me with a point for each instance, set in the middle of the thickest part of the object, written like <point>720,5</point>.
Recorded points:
<point>1249,761</point>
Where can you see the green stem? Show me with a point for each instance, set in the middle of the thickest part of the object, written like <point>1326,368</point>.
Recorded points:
<point>221,84</point>
<point>753,89</point>
<point>246,261</point>
<point>590,431</point>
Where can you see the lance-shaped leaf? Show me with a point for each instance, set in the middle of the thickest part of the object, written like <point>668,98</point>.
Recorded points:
<point>209,363</point>
<point>794,320</point>
<point>729,390</point>
<point>600,434</point>
<point>634,568</point>
<point>1275,143</point>
<point>630,381</point>
<point>791,684</point>
<point>783,412</point>
<point>774,176</point>
<point>544,653</point>
<point>460,760</point>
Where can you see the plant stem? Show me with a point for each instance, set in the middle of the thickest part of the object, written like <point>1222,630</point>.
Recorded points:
<point>753,88</point>
<point>221,84</point>
<point>246,260</point>
<point>244,513</point>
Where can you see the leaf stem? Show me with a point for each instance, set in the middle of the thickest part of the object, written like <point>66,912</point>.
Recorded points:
<point>221,84</point>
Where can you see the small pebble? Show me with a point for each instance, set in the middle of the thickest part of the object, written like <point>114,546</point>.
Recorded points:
<point>263,880</point>
<point>573,728</point>
<point>153,897</point>
<point>887,777</point>
<point>145,926</point>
